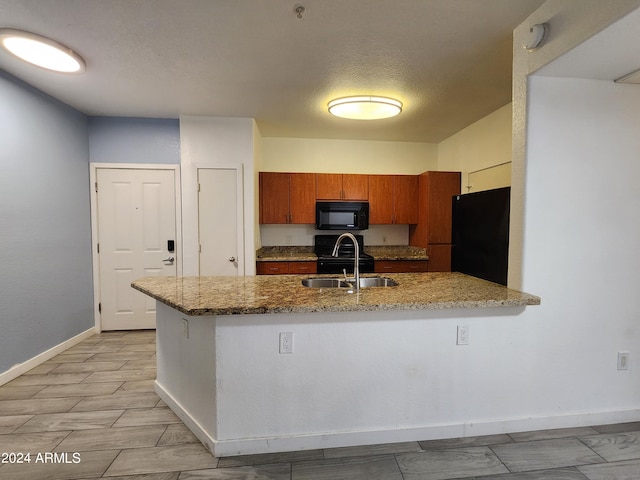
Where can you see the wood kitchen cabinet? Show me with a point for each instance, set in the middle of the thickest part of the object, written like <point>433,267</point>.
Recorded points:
<point>405,199</point>
<point>439,258</point>
<point>393,199</point>
<point>433,229</point>
<point>284,268</point>
<point>287,197</point>
<point>342,186</point>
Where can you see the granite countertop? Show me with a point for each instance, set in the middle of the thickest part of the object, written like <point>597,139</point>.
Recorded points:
<point>286,254</point>
<point>396,252</point>
<point>303,253</point>
<point>264,294</point>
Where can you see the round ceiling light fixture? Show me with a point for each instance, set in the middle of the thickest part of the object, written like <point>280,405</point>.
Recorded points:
<point>365,107</point>
<point>41,51</point>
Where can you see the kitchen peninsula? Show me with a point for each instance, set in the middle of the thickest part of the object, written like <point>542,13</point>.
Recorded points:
<point>359,368</point>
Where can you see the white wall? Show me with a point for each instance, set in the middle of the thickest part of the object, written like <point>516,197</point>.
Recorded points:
<point>570,24</point>
<point>347,156</point>
<point>574,227</point>
<point>216,142</point>
<point>484,144</point>
<point>302,235</point>
<point>257,163</point>
<point>581,234</point>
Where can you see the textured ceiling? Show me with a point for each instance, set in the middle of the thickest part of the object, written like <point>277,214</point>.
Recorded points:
<point>448,61</point>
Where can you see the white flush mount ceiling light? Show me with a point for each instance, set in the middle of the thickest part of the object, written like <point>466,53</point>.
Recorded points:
<point>41,51</point>
<point>365,107</point>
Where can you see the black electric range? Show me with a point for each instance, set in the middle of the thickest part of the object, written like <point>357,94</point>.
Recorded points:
<point>323,247</point>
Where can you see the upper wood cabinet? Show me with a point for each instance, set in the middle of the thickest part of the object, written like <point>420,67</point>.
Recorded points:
<point>380,199</point>
<point>287,197</point>
<point>405,198</point>
<point>393,199</point>
<point>436,190</point>
<point>342,186</point>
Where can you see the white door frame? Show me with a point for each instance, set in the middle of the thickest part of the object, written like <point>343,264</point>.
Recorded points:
<point>93,168</point>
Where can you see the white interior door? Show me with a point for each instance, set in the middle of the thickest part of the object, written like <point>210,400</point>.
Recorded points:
<point>136,213</point>
<point>219,217</point>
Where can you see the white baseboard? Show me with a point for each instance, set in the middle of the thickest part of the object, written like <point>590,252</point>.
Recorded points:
<point>23,367</point>
<point>186,418</point>
<point>285,443</point>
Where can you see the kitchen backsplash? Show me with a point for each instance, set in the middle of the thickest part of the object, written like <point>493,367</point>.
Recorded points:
<point>281,235</point>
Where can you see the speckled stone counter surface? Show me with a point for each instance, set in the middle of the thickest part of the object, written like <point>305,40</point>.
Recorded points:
<point>286,254</point>
<point>396,252</point>
<point>265,294</point>
<point>378,252</point>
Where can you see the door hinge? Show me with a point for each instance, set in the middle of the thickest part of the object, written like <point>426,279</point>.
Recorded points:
<point>199,248</point>
<point>96,187</point>
<point>198,187</point>
<point>99,307</point>
<point>98,245</point>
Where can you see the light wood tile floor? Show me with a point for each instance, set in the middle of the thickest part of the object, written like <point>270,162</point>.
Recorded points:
<point>91,412</point>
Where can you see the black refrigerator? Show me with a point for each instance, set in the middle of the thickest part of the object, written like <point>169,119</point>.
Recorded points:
<point>481,234</point>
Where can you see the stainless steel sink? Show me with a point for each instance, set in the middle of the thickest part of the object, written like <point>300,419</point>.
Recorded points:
<point>341,283</point>
<point>326,283</point>
<point>377,282</point>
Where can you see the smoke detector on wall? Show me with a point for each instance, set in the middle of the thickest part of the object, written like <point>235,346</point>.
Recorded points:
<point>536,37</point>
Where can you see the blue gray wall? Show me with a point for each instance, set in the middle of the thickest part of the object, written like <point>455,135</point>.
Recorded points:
<point>134,140</point>
<point>46,294</point>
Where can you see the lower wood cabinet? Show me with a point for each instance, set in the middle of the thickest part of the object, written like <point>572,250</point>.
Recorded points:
<point>400,266</point>
<point>303,267</point>
<point>285,268</point>
<point>439,258</point>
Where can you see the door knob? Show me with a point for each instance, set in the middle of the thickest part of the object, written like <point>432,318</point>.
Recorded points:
<point>170,260</point>
<point>232,259</point>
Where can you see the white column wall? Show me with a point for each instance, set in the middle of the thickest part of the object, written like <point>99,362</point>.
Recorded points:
<point>216,142</point>
<point>581,238</point>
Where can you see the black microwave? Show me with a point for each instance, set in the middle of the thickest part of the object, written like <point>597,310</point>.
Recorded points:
<point>342,215</point>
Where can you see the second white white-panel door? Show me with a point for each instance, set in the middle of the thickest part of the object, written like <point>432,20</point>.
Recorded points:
<point>218,222</point>
<point>136,225</point>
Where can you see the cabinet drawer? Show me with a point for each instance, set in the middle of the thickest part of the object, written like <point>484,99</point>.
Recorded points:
<point>415,265</point>
<point>272,268</point>
<point>284,268</point>
<point>303,267</point>
<point>399,266</point>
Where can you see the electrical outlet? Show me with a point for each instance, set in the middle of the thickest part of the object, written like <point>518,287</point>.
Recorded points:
<point>185,328</point>
<point>463,335</point>
<point>623,360</point>
<point>286,342</point>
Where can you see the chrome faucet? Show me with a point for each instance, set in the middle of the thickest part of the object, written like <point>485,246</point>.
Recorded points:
<point>356,262</point>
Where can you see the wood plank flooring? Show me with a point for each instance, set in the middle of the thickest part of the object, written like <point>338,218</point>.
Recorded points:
<point>91,412</point>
